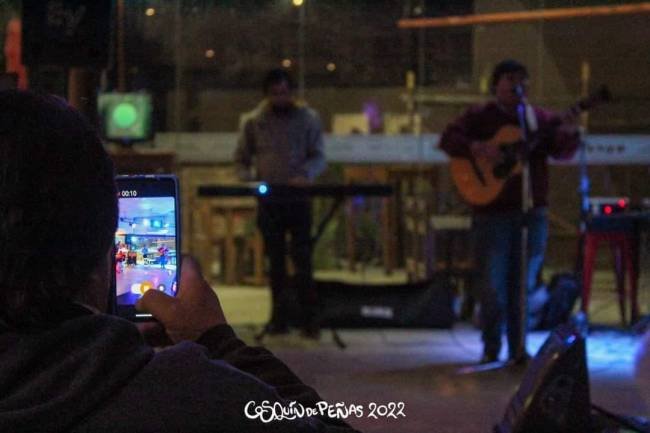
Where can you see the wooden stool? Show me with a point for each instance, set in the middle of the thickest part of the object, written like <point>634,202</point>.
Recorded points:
<point>232,211</point>
<point>365,174</point>
<point>449,231</point>
<point>624,248</point>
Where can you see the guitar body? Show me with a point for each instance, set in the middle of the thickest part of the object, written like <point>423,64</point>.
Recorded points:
<point>480,180</point>
<point>476,180</point>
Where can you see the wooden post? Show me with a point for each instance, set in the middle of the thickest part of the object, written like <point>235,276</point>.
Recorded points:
<point>585,77</point>
<point>82,85</point>
<point>121,58</point>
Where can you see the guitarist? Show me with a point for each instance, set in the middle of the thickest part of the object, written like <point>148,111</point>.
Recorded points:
<point>497,225</point>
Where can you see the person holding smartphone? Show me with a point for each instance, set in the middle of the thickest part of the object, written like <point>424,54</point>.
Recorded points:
<point>282,141</point>
<point>66,365</point>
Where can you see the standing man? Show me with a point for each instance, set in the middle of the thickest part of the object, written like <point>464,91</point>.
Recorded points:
<point>162,255</point>
<point>497,225</point>
<point>282,141</point>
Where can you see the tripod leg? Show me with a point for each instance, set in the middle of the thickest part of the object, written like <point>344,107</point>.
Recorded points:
<point>619,270</point>
<point>337,339</point>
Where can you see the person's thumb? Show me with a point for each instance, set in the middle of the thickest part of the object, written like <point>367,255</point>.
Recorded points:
<point>191,281</point>
<point>190,268</point>
<point>163,307</point>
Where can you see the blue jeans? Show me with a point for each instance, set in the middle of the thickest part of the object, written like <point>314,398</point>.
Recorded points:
<point>498,250</point>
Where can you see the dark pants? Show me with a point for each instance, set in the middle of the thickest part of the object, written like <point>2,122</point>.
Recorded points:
<point>275,219</point>
<point>498,252</point>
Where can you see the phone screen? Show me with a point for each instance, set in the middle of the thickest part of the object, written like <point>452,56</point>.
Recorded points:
<point>146,240</point>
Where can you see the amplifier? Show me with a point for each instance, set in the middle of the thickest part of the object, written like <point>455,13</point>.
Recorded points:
<point>645,203</point>
<point>608,205</point>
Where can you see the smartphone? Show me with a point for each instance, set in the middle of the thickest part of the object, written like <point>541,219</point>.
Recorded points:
<point>147,241</point>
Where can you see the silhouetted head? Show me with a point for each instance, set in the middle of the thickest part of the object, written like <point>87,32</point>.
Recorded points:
<point>58,208</point>
<point>507,76</point>
<point>278,89</point>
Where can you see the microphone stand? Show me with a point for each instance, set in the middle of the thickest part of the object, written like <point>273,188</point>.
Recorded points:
<point>580,320</point>
<point>525,210</point>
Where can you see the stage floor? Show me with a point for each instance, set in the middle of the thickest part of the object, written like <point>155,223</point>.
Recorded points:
<point>421,367</point>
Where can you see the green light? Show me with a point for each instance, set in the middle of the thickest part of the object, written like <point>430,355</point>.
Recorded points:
<point>125,115</point>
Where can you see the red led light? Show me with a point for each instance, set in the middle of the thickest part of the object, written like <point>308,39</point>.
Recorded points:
<point>621,203</point>
<point>608,210</point>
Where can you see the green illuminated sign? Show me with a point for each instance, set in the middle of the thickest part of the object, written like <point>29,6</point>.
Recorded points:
<point>126,116</point>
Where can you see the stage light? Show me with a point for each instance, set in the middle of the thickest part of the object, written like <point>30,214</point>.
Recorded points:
<point>331,67</point>
<point>146,222</point>
<point>608,210</point>
<point>263,189</point>
<point>298,3</point>
<point>622,203</point>
<point>209,53</point>
<point>150,12</point>
<point>286,63</point>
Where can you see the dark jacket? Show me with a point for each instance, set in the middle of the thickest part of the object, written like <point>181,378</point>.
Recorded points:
<point>94,373</point>
<point>280,147</point>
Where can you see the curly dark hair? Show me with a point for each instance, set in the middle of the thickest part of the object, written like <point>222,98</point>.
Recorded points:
<point>505,67</point>
<point>58,205</point>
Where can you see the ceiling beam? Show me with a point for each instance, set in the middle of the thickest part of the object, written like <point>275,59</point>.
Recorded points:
<point>524,16</point>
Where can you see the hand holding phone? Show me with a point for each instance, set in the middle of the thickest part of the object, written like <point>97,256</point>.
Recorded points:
<point>192,312</point>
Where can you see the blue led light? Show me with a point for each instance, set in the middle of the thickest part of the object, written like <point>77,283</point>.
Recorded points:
<point>263,189</point>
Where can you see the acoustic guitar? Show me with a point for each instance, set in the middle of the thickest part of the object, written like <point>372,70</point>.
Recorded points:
<point>480,180</point>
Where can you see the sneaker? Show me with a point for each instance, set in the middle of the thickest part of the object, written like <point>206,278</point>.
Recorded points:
<point>276,328</point>
<point>522,360</point>
<point>489,356</point>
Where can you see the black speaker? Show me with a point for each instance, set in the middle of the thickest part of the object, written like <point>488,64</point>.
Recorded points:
<point>66,32</point>
<point>554,394</point>
<point>426,304</point>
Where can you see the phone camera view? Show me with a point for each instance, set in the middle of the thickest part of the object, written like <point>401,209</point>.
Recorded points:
<point>145,248</point>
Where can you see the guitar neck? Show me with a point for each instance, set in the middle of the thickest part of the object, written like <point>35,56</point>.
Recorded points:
<point>601,95</point>
<point>573,112</point>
